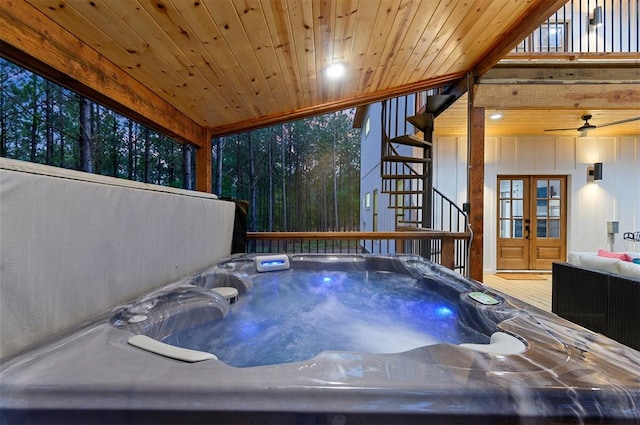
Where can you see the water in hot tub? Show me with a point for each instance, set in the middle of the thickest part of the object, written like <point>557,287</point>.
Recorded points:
<point>290,316</point>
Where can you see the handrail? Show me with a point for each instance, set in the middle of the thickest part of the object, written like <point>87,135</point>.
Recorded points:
<point>405,234</point>
<point>453,204</point>
<point>407,242</point>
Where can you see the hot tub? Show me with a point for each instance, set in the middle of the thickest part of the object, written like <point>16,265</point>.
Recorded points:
<point>333,339</point>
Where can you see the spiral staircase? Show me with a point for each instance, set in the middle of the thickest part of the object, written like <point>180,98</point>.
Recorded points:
<point>407,167</point>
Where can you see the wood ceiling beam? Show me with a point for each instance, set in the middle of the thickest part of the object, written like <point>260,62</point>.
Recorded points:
<point>338,105</point>
<point>545,85</point>
<point>535,72</point>
<point>519,30</point>
<point>31,39</point>
<point>558,96</point>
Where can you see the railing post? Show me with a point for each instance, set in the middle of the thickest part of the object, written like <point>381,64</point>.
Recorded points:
<point>399,246</point>
<point>476,146</point>
<point>447,258</point>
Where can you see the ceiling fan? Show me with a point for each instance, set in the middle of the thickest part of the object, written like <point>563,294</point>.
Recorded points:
<point>584,128</point>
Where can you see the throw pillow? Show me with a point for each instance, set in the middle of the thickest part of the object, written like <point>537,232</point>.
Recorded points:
<point>619,255</point>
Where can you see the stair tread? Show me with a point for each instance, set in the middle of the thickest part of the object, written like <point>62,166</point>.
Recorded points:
<point>436,103</point>
<point>422,121</point>
<point>411,140</point>
<point>404,192</point>
<point>399,158</point>
<point>402,177</point>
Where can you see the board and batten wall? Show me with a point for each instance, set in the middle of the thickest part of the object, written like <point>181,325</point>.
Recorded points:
<point>590,204</point>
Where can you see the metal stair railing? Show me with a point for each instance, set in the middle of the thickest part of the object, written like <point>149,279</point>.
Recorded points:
<point>448,216</point>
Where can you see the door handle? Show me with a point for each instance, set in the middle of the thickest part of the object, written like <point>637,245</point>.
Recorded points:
<point>526,231</point>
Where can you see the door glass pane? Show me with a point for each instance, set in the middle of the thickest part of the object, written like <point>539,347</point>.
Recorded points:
<point>518,208</point>
<point>517,229</point>
<point>554,229</point>
<point>541,189</point>
<point>518,189</point>
<point>505,228</point>
<point>541,209</point>
<point>554,208</point>
<point>541,228</point>
<point>505,209</point>
<point>505,188</point>
<point>554,188</point>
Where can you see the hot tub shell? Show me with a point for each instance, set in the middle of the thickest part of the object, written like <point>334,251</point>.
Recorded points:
<point>94,375</point>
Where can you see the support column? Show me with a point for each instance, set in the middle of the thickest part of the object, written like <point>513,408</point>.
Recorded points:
<point>203,165</point>
<point>476,190</point>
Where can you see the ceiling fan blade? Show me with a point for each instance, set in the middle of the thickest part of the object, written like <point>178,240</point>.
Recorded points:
<point>560,129</point>
<point>619,122</point>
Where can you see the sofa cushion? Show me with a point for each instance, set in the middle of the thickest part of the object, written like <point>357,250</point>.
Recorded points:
<point>575,257</point>
<point>629,269</point>
<point>609,265</point>
<point>619,255</point>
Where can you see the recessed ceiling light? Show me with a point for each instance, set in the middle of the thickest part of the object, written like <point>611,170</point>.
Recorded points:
<point>335,70</point>
<point>496,116</point>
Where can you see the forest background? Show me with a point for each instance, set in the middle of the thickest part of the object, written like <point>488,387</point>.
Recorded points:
<point>297,176</point>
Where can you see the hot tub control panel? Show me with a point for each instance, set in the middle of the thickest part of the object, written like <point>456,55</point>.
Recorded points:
<point>270,263</point>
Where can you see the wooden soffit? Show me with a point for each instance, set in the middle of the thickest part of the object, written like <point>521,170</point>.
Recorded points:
<point>31,39</point>
<point>612,85</point>
<point>210,67</point>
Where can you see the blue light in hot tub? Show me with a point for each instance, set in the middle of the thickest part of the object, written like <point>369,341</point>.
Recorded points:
<point>249,330</point>
<point>326,279</point>
<point>271,263</point>
<point>443,312</point>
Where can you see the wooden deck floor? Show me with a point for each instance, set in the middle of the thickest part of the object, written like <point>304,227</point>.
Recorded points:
<point>535,292</point>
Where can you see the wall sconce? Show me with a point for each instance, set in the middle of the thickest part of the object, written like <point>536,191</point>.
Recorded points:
<point>596,18</point>
<point>594,172</point>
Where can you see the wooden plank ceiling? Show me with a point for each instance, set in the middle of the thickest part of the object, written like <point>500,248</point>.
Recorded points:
<point>232,65</point>
<point>534,122</point>
<point>535,96</point>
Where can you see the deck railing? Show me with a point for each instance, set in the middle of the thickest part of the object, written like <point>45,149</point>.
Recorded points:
<point>405,242</point>
<point>586,28</point>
